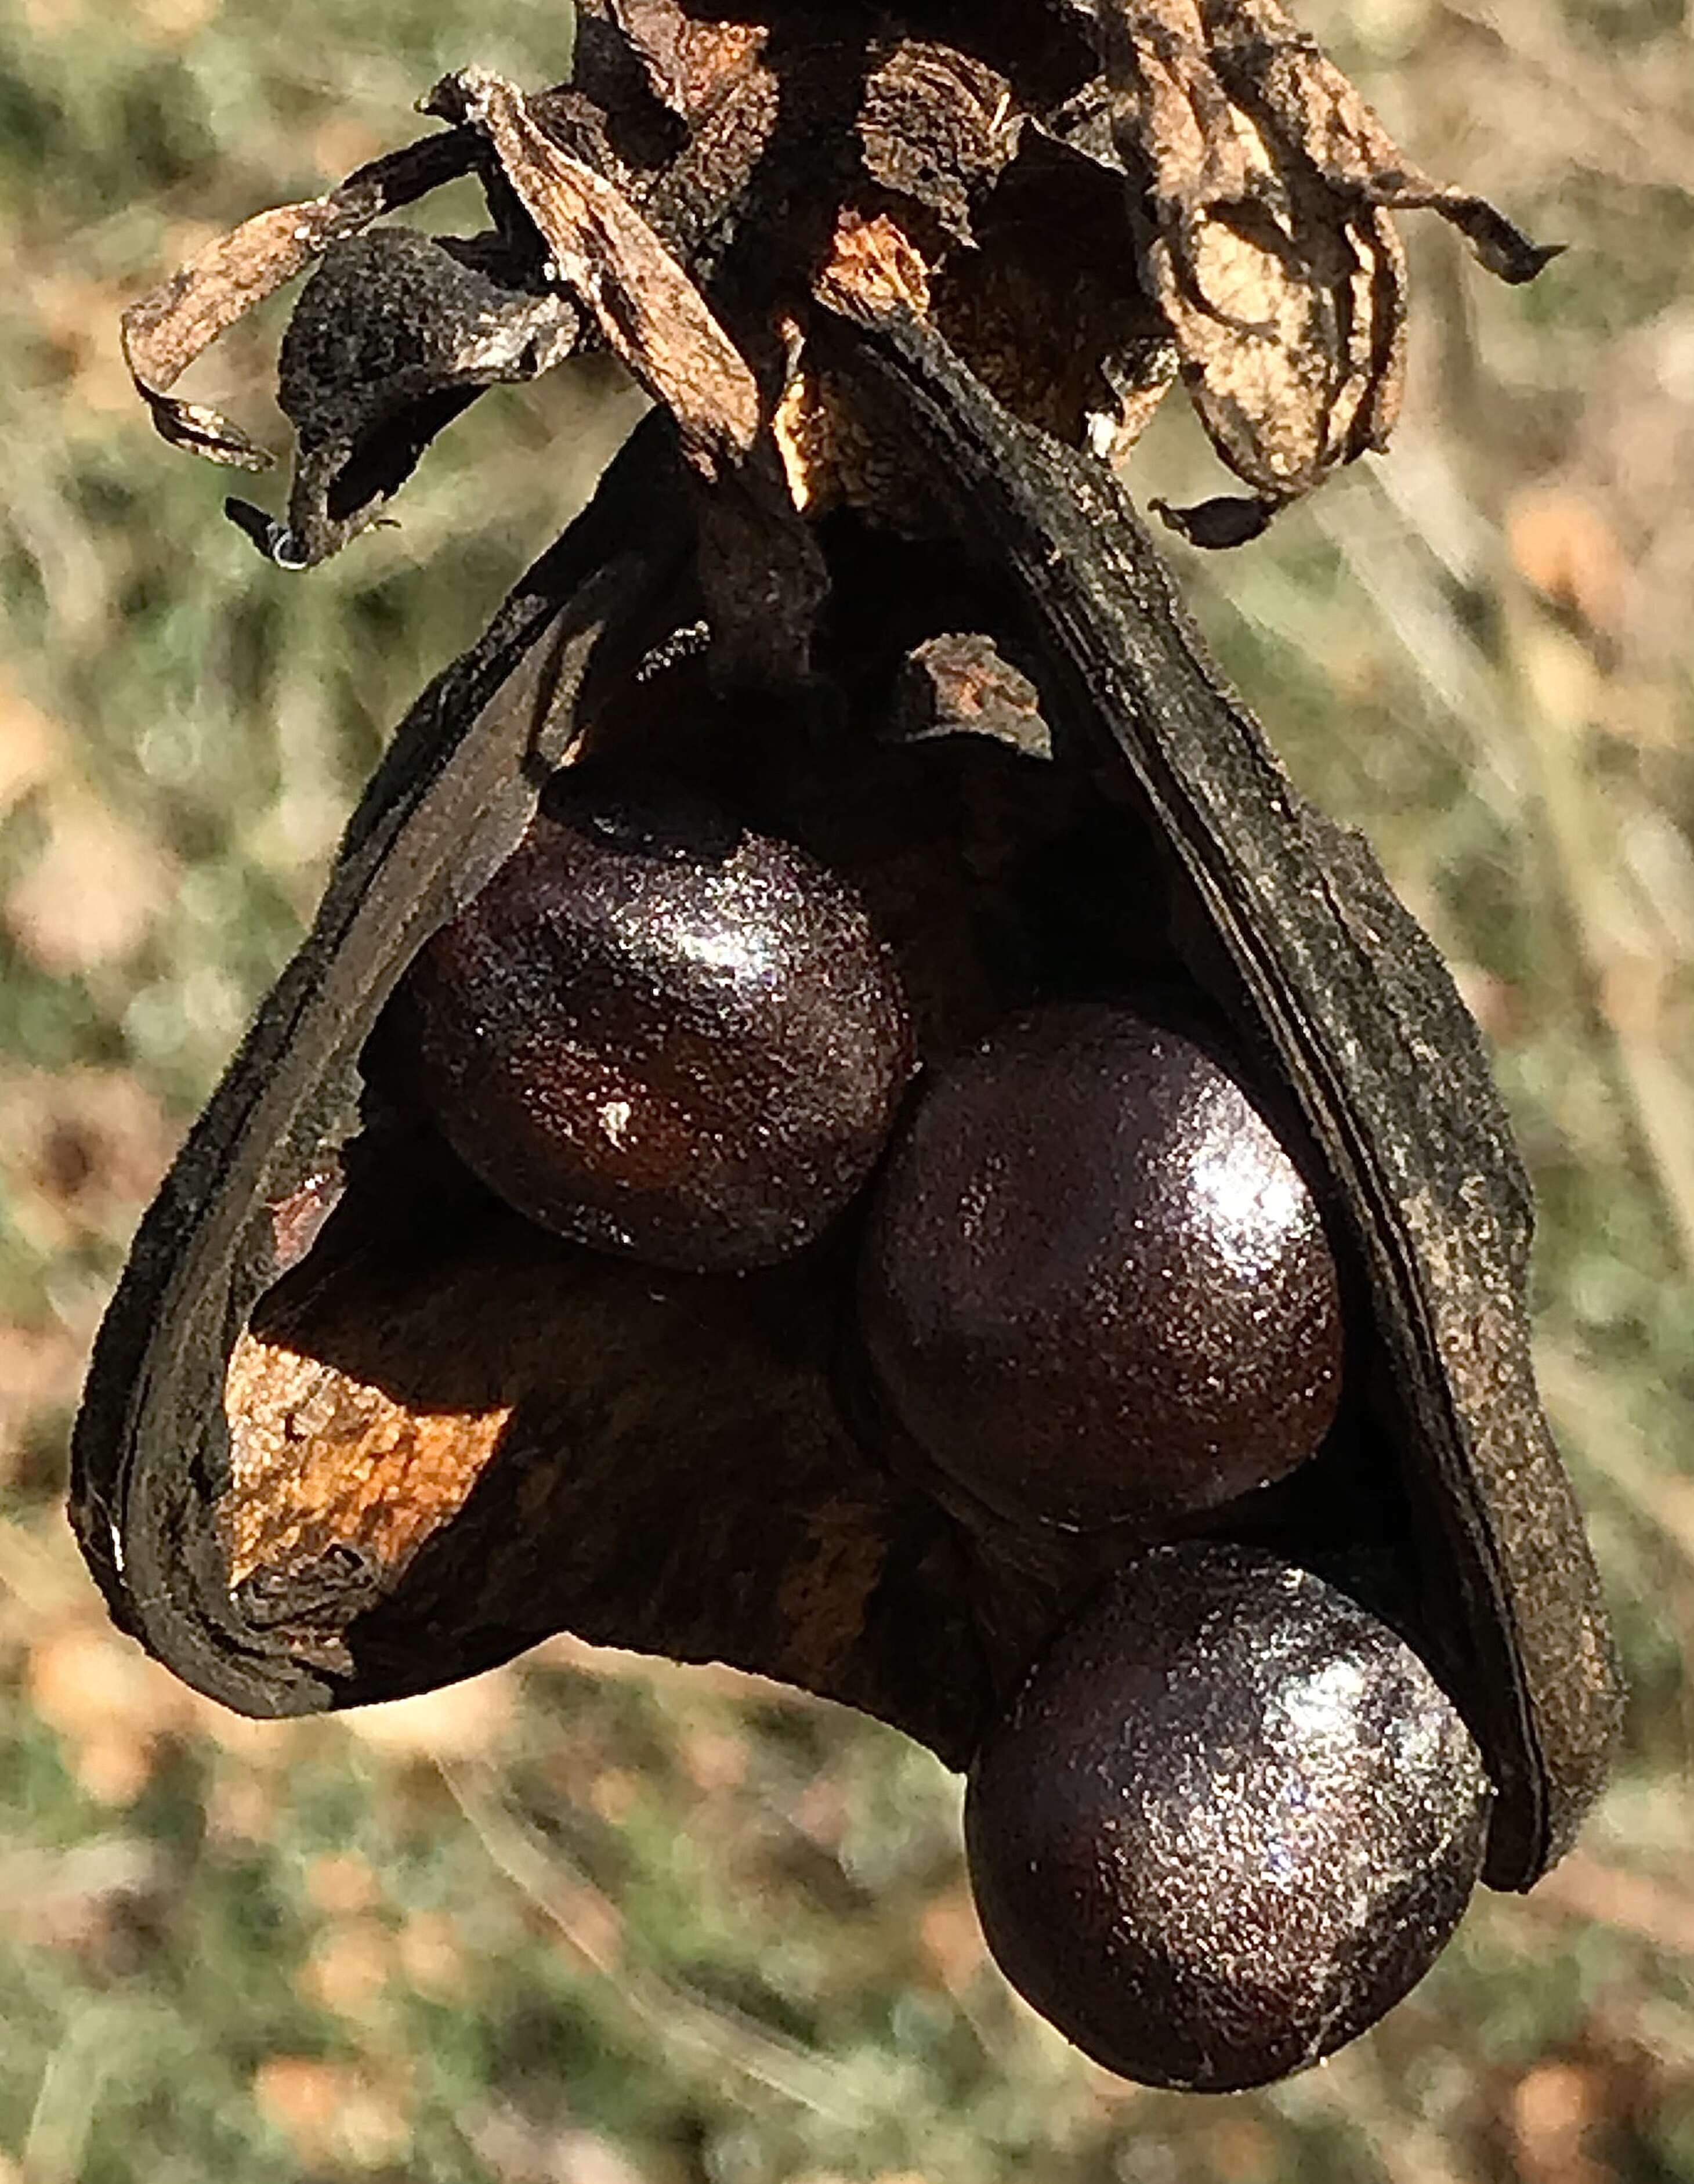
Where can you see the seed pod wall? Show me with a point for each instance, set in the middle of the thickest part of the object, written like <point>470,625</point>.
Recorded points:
<point>841,1114</point>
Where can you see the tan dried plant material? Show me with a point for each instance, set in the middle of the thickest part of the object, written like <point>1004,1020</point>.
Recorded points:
<point>873,268</point>
<point>1234,222</point>
<point>831,452</point>
<point>1087,360</point>
<point>319,1457</point>
<point>1289,329</point>
<point>802,425</point>
<point>1267,242</point>
<point>649,312</point>
<point>690,65</point>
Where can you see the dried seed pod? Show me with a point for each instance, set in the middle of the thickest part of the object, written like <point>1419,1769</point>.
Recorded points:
<point>348,1433</point>
<point>1287,921</point>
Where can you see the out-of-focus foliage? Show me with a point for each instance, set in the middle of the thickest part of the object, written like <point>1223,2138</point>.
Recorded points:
<point>591,1921</point>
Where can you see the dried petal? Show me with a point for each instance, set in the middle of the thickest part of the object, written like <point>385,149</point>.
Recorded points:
<point>1266,239</point>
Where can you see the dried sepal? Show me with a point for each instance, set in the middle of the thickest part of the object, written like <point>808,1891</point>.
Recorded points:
<point>1226,520</point>
<point>656,34</point>
<point>1273,70</point>
<point>393,335</point>
<point>924,95</point>
<point>1045,309</point>
<point>164,331</point>
<point>960,684</point>
<point>694,68</point>
<point>1214,195</point>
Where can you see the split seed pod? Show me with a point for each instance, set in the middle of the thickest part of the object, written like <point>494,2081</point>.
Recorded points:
<point>354,1428</point>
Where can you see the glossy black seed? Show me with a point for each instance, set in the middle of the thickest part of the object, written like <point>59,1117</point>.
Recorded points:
<point>1229,1821</point>
<point>1096,1287</point>
<point>658,1032</point>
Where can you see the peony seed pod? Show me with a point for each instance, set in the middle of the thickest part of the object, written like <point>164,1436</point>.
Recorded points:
<point>354,1427</point>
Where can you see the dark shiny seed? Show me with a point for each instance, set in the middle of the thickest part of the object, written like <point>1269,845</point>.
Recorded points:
<point>1229,1821</point>
<point>659,1033</point>
<point>1096,1288</point>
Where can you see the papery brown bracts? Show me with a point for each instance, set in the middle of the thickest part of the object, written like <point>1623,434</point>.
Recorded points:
<point>1100,198</point>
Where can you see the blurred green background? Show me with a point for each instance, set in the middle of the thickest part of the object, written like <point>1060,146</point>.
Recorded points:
<point>593,1920</point>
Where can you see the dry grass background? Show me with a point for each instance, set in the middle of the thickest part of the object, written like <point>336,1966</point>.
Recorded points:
<point>595,1922</point>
